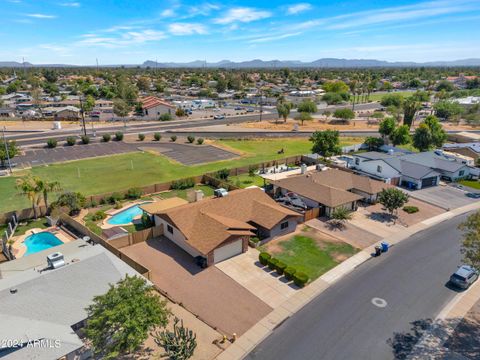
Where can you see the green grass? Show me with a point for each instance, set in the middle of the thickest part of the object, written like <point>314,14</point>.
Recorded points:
<point>245,180</point>
<point>31,224</point>
<point>378,97</point>
<point>207,191</point>
<point>475,184</point>
<point>306,256</point>
<point>115,173</point>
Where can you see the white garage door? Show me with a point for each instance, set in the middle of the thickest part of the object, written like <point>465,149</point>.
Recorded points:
<point>227,251</point>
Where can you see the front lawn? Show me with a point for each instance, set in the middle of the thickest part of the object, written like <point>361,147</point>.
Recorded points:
<point>474,184</point>
<point>310,256</point>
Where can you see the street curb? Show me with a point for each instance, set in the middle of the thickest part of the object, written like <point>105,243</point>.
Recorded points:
<point>260,331</point>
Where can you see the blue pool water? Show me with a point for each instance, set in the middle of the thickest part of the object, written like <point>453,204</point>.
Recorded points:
<point>41,241</point>
<point>126,216</point>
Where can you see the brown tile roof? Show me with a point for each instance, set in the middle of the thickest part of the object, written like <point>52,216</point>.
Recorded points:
<point>208,223</point>
<point>162,205</point>
<point>152,101</point>
<point>331,187</point>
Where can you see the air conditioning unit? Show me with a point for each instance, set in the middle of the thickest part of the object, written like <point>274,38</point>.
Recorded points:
<point>55,260</point>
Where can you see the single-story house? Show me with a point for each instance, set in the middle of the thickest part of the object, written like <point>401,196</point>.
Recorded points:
<point>330,189</point>
<point>6,113</point>
<point>464,137</point>
<point>415,171</point>
<point>43,309</point>
<point>153,107</point>
<point>219,228</point>
<point>64,113</point>
<point>470,149</point>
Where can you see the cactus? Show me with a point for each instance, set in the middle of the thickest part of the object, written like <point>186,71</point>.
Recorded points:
<point>179,344</point>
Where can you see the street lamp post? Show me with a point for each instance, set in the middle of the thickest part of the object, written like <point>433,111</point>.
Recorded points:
<point>83,117</point>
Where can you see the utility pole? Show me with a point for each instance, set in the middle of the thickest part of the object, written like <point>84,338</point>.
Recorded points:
<point>261,104</point>
<point>6,151</point>
<point>83,117</point>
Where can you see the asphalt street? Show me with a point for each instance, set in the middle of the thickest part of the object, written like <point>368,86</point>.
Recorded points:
<point>132,128</point>
<point>358,316</point>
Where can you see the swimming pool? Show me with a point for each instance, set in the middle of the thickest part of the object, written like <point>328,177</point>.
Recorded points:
<point>40,241</point>
<point>126,216</point>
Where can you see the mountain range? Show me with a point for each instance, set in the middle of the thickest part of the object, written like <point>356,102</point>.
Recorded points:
<point>257,63</point>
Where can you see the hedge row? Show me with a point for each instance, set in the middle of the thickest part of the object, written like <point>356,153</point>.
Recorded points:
<point>290,273</point>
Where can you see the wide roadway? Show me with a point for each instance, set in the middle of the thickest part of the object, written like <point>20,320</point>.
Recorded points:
<point>343,323</point>
<point>132,128</point>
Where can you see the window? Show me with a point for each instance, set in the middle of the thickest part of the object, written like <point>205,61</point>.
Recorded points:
<point>284,225</point>
<point>461,173</point>
<point>379,169</point>
<point>357,161</point>
<point>170,229</point>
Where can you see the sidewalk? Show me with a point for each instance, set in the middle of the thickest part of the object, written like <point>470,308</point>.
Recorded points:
<point>255,335</point>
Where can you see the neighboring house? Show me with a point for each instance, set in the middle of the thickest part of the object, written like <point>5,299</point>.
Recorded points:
<point>195,104</point>
<point>471,149</point>
<point>460,81</point>
<point>153,108</point>
<point>330,189</point>
<point>6,113</point>
<point>464,137</point>
<point>44,309</point>
<point>66,113</point>
<point>219,228</point>
<point>415,171</point>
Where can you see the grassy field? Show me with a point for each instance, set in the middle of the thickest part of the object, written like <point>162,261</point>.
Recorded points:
<point>120,172</point>
<point>207,191</point>
<point>245,180</point>
<point>305,255</point>
<point>378,97</point>
<point>31,224</point>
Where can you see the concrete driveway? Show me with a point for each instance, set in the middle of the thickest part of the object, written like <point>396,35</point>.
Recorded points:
<point>245,270</point>
<point>446,197</point>
<point>216,298</point>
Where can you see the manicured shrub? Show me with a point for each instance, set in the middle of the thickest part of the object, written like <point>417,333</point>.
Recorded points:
<point>289,272</point>
<point>200,141</point>
<point>190,138</point>
<point>280,267</point>
<point>93,203</point>
<point>99,215</point>
<point>173,138</point>
<point>157,136</point>
<point>272,263</point>
<point>263,258</point>
<point>71,141</point>
<point>51,143</point>
<point>85,139</point>
<point>118,136</point>
<point>106,137</point>
<point>300,279</point>
<point>115,197</point>
<point>222,174</point>
<point>165,117</point>
<point>141,137</point>
<point>410,209</point>
<point>118,205</point>
<point>182,184</point>
<point>134,193</point>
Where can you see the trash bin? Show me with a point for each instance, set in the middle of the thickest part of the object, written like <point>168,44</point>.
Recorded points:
<point>384,246</point>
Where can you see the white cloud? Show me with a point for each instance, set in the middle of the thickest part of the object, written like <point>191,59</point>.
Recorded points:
<point>167,13</point>
<point>41,16</point>
<point>187,29</point>
<point>242,14</point>
<point>273,38</point>
<point>298,8</point>
<point>70,4</point>
<point>128,38</point>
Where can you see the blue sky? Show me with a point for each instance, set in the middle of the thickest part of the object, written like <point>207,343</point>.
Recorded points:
<point>130,32</point>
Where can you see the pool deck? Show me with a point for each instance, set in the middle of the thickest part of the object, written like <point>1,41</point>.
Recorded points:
<point>19,248</point>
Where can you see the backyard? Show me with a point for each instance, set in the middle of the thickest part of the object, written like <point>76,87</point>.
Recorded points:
<point>120,172</point>
<point>310,252</point>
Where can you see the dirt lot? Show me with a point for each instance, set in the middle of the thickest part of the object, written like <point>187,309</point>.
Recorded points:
<point>308,125</point>
<point>216,298</point>
<point>425,211</point>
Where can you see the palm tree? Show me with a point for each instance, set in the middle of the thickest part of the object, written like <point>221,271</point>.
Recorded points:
<point>28,187</point>
<point>44,187</point>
